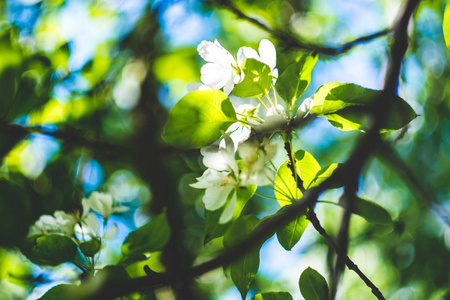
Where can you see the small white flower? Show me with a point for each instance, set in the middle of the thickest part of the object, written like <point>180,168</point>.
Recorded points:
<point>103,203</point>
<point>240,132</point>
<point>254,157</point>
<point>305,108</point>
<point>220,159</point>
<point>218,187</point>
<point>276,118</point>
<point>60,222</point>
<point>220,179</point>
<point>221,69</point>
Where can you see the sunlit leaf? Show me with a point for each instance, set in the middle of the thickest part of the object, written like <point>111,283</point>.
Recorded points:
<point>273,296</point>
<point>446,24</point>
<point>346,106</point>
<point>313,286</point>
<point>295,79</point>
<point>50,250</point>
<point>198,119</point>
<point>290,234</point>
<point>213,229</point>
<point>64,291</point>
<point>257,80</point>
<point>370,211</point>
<point>244,270</point>
<point>324,173</point>
<point>151,237</point>
<point>285,185</point>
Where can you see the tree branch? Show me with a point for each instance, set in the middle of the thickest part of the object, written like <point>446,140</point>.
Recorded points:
<point>348,262</point>
<point>387,154</point>
<point>291,42</point>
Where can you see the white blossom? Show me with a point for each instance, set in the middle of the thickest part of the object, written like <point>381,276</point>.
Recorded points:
<point>220,179</point>
<point>104,204</point>
<point>221,69</point>
<point>276,118</point>
<point>254,157</point>
<point>60,222</point>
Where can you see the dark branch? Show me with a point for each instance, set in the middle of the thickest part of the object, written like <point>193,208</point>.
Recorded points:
<point>348,262</point>
<point>387,154</point>
<point>291,42</point>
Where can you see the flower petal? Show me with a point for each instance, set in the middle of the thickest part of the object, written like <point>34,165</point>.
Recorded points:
<point>246,53</point>
<point>268,53</point>
<point>215,53</point>
<point>228,212</point>
<point>215,197</point>
<point>216,76</point>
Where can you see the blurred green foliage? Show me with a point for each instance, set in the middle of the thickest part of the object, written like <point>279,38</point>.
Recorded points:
<point>110,108</point>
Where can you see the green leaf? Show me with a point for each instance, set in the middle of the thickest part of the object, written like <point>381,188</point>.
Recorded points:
<point>313,286</point>
<point>291,233</point>
<point>446,24</point>
<point>64,291</point>
<point>295,79</point>
<point>273,296</point>
<point>90,248</point>
<point>323,175</point>
<point>113,273</point>
<point>15,214</point>
<point>244,270</point>
<point>151,237</point>
<point>213,229</point>
<point>285,185</point>
<point>198,119</point>
<point>50,250</point>
<point>347,105</point>
<point>370,211</point>
<point>257,81</point>
<point>132,259</point>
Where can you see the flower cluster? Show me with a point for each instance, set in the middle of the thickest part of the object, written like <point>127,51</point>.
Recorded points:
<point>224,175</point>
<point>84,221</point>
<point>223,71</point>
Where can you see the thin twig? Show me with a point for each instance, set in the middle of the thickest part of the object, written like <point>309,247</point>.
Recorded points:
<point>388,155</point>
<point>348,262</point>
<point>291,42</point>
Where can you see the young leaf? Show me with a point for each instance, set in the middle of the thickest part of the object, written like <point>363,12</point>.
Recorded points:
<point>291,233</point>
<point>151,237</point>
<point>257,80</point>
<point>347,105</point>
<point>295,79</point>
<point>313,286</point>
<point>50,250</point>
<point>324,173</point>
<point>213,229</point>
<point>446,25</point>
<point>90,248</point>
<point>198,119</point>
<point>66,292</point>
<point>273,296</point>
<point>285,185</point>
<point>244,270</point>
<point>370,211</point>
